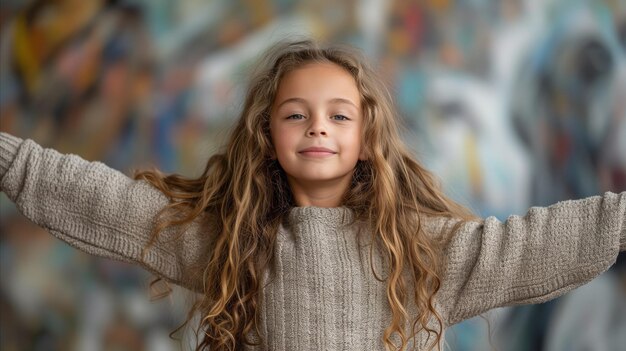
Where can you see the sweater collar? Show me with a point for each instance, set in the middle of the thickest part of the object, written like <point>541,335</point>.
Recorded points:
<point>331,216</point>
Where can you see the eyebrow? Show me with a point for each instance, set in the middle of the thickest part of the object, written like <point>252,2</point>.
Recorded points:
<point>332,101</point>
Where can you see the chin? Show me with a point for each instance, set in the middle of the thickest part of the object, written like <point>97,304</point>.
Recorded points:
<point>317,177</point>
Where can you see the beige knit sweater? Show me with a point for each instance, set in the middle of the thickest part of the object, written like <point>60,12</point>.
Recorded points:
<point>320,293</point>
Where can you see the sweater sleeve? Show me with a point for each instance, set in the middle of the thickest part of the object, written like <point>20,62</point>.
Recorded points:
<point>532,258</point>
<point>95,208</point>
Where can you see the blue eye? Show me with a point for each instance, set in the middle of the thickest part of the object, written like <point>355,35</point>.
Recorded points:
<point>344,118</point>
<point>294,115</point>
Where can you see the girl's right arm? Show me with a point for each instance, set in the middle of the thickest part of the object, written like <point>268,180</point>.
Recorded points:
<point>95,208</point>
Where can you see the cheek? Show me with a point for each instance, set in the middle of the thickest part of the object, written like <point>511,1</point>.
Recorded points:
<point>354,141</point>
<point>282,139</point>
<point>278,139</point>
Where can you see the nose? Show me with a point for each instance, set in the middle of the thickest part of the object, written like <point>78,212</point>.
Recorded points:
<point>314,132</point>
<point>316,127</point>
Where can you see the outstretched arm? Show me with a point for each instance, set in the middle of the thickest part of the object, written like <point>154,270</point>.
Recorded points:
<point>95,208</point>
<point>531,258</point>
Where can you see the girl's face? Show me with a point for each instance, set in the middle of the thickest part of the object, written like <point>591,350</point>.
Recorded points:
<point>317,106</point>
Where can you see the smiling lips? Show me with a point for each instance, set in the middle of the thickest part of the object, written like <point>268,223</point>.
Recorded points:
<point>317,152</point>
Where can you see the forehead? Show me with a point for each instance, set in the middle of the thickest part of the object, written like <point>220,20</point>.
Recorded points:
<point>318,81</point>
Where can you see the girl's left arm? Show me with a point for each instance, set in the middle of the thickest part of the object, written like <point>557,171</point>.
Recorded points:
<point>532,258</point>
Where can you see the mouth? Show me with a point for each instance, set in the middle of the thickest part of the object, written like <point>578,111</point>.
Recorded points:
<point>317,152</point>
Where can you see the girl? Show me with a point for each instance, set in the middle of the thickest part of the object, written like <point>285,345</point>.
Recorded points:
<point>316,228</point>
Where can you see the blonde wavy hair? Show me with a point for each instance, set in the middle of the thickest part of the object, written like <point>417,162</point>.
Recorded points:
<point>247,193</point>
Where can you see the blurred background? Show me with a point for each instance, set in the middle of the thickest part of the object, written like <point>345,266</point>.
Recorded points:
<point>513,103</point>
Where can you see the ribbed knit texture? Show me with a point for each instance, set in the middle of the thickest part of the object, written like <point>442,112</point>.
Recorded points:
<point>320,293</point>
<point>8,148</point>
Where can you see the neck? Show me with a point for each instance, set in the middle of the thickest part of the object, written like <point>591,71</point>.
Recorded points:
<point>327,193</point>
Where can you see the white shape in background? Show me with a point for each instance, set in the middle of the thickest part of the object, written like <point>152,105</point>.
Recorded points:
<point>220,82</point>
<point>372,15</point>
<point>481,118</point>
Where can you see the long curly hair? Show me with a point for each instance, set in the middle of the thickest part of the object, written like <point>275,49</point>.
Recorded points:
<point>246,191</point>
